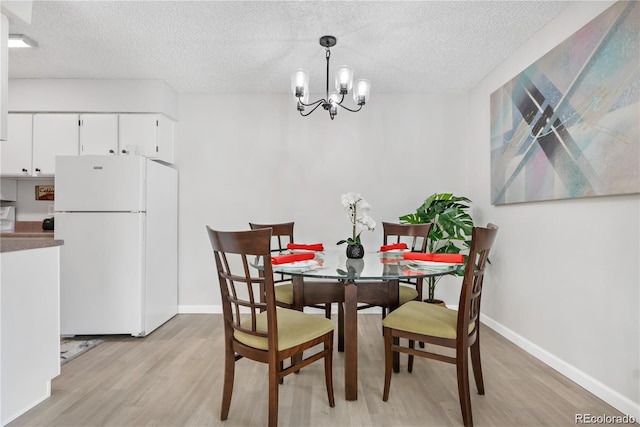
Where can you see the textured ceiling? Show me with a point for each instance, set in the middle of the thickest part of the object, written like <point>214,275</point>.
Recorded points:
<point>253,47</point>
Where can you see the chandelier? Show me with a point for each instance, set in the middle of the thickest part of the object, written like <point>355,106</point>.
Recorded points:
<point>343,82</point>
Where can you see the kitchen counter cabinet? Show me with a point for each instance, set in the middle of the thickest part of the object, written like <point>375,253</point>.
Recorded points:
<point>30,326</point>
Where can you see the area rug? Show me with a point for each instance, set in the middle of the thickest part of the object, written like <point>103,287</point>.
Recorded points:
<point>72,348</point>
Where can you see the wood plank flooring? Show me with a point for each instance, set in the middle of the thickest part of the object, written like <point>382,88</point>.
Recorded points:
<point>173,377</point>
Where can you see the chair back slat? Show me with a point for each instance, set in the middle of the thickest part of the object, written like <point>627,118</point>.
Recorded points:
<point>415,235</point>
<point>281,234</point>
<point>245,291</point>
<point>470,296</point>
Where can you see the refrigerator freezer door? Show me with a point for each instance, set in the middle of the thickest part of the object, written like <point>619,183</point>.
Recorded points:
<point>101,273</point>
<point>100,184</point>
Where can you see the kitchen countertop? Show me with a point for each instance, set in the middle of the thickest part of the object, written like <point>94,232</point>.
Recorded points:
<point>27,235</point>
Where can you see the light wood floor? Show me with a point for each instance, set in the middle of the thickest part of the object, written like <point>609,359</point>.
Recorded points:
<point>173,377</point>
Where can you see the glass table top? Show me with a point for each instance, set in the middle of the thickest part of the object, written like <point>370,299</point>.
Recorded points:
<point>334,264</point>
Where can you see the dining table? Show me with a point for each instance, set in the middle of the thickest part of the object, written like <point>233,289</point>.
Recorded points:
<point>331,277</point>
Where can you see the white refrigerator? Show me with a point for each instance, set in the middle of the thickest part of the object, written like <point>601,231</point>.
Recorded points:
<point>118,217</point>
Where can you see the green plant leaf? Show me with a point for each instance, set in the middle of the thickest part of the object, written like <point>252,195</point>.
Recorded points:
<point>451,230</point>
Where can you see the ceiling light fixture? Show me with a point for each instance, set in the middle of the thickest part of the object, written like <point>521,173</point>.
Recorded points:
<point>344,82</point>
<point>20,40</point>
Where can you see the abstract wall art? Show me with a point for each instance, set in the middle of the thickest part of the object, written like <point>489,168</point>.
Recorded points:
<point>568,126</point>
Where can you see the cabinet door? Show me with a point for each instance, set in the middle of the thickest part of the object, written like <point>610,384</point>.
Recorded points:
<point>53,135</point>
<point>137,132</point>
<point>165,139</point>
<point>98,134</point>
<point>15,152</point>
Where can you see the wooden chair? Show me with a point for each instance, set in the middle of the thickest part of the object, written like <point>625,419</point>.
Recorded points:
<point>282,234</point>
<point>440,326</point>
<point>259,330</point>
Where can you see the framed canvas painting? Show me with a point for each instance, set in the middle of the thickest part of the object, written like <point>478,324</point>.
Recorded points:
<point>568,125</point>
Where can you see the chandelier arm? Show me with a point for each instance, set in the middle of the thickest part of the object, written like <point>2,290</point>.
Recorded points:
<point>319,102</point>
<point>314,108</point>
<point>349,109</point>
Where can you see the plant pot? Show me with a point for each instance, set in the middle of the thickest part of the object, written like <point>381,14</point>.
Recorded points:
<point>436,302</point>
<point>355,251</point>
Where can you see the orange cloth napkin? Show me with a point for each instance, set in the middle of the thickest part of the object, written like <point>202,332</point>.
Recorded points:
<point>393,246</point>
<point>285,259</point>
<point>311,247</point>
<point>452,258</point>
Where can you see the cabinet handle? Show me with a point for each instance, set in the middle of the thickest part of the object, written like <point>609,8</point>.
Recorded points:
<point>111,151</point>
<point>24,170</point>
<point>124,151</point>
<point>37,170</point>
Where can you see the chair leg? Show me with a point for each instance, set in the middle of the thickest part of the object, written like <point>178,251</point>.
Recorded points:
<point>340,327</point>
<point>328,370</point>
<point>477,366</point>
<point>462,370</point>
<point>412,344</point>
<point>327,310</point>
<point>227,389</point>
<point>273,394</point>
<point>387,363</point>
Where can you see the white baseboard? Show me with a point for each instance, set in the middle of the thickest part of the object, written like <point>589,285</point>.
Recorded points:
<point>199,309</point>
<point>602,391</point>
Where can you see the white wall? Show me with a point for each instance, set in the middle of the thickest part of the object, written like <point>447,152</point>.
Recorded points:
<point>565,278</point>
<point>253,158</point>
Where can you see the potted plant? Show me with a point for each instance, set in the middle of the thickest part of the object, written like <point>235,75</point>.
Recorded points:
<point>451,230</point>
<point>356,208</point>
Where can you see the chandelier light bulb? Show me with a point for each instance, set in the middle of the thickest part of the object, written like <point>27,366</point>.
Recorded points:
<point>334,100</point>
<point>300,82</point>
<point>344,79</point>
<point>361,91</point>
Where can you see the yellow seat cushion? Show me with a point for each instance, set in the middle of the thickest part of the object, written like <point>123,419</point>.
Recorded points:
<point>407,294</point>
<point>284,293</point>
<point>294,328</point>
<point>424,318</point>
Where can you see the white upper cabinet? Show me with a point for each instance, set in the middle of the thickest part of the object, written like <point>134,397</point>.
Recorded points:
<point>35,139</point>
<point>53,135</point>
<point>149,135</point>
<point>15,152</point>
<point>98,134</point>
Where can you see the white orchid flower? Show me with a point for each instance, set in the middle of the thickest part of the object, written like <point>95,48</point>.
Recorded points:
<point>356,208</point>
